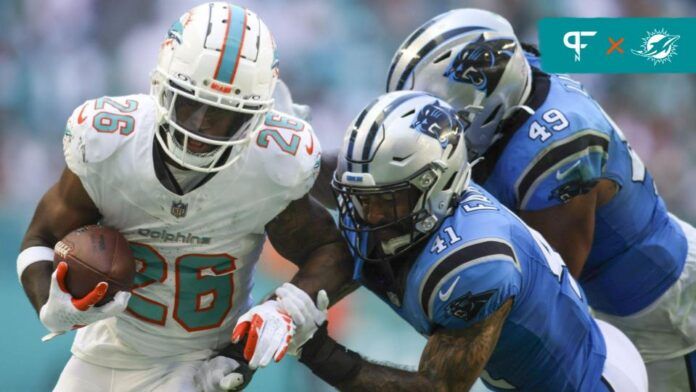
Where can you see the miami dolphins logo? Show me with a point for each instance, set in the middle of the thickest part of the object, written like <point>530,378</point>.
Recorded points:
<point>436,121</point>
<point>481,63</point>
<point>175,32</point>
<point>658,47</point>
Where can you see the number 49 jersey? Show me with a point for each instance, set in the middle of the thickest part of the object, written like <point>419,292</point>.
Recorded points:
<point>481,257</point>
<point>195,252</point>
<point>561,151</point>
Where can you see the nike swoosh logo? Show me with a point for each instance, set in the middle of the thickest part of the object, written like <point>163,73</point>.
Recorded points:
<point>80,117</point>
<point>310,148</point>
<point>445,296</point>
<point>561,175</point>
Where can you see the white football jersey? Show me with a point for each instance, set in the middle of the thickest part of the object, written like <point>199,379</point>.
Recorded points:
<point>195,252</point>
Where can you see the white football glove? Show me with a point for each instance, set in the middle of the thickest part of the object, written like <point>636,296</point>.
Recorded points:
<point>62,312</point>
<point>217,375</point>
<point>306,315</point>
<point>269,331</point>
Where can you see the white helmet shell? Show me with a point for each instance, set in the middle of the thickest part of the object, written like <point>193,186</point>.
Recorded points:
<point>221,55</point>
<point>473,60</point>
<point>405,138</point>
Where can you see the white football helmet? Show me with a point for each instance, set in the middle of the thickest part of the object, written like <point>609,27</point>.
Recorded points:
<point>405,142</point>
<point>217,61</point>
<point>473,60</point>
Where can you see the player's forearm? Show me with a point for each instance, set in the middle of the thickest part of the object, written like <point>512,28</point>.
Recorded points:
<point>36,278</point>
<point>327,268</point>
<point>377,377</point>
<point>36,281</point>
<point>348,371</point>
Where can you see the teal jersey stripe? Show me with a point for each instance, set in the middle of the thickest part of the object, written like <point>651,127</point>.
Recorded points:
<point>234,36</point>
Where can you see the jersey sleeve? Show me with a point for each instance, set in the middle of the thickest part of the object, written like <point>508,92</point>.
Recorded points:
<point>567,167</point>
<point>471,283</point>
<point>97,129</point>
<point>293,153</point>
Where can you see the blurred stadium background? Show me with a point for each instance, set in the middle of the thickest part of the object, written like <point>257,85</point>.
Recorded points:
<point>54,54</point>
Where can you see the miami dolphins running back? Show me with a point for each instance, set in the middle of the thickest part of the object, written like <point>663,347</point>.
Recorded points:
<point>194,175</point>
<point>491,296</point>
<point>550,153</point>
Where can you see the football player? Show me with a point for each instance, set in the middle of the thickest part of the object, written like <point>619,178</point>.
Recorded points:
<point>195,175</point>
<point>492,297</point>
<point>551,154</point>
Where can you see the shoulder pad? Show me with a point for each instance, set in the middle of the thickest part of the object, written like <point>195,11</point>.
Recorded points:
<point>470,282</point>
<point>565,167</point>
<point>558,153</point>
<point>291,152</point>
<point>99,127</point>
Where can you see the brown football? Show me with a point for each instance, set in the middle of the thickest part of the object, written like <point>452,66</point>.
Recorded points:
<point>95,254</point>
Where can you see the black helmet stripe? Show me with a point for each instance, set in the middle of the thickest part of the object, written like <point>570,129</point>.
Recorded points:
<point>354,134</point>
<point>377,123</point>
<point>428,47</point>
<point>406,44</point>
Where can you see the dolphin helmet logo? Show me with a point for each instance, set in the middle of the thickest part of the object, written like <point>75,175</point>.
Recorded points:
<point>438,122</point>
<point>481,63</point>
<point>658,47</point>
<point>176,32</point>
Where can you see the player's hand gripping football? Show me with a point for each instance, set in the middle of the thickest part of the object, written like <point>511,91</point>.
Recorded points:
<point>62,312</point>
<point>269,329</point>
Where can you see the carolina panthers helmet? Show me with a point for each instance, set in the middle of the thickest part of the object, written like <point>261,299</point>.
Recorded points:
<point>473,60</point>
<point>217,60</point>
<point>405,144</point>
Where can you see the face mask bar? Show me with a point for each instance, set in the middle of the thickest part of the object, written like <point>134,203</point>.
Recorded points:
<point>353,221</point>
<point>167,95</point>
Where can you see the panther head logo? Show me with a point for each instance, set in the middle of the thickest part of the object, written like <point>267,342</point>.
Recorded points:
<point>481,63</point>
<point>436,121</point>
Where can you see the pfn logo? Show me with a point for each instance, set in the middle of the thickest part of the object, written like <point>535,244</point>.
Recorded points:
<point>572,40</point>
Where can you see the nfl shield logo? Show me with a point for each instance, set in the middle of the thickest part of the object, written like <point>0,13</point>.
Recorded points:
<point>179,209</point>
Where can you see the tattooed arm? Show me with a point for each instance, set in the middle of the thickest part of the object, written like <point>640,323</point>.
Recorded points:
<point>451,360</point>
<point>305,234</point>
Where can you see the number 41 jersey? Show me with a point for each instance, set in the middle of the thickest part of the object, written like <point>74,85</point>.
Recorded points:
<point>195,252</point>
<point>560,152</point>
<point>481,257</point>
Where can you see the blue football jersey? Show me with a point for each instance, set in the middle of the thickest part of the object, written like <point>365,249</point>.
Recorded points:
<point>561,151</point>
<point>480,257</point>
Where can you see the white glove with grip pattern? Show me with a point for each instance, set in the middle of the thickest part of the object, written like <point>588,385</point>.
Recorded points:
<point>306,315</point>
<point>269,330</point>
<point>62,312</point>
<point>218,375</point>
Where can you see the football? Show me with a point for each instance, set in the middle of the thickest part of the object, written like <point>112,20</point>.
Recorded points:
<point>95,254</point>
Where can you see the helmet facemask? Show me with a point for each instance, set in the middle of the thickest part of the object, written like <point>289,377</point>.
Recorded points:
<point>197,132</point>
<point>387,221</point>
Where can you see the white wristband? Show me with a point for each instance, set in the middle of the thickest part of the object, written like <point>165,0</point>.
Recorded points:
<point>32,255</point>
